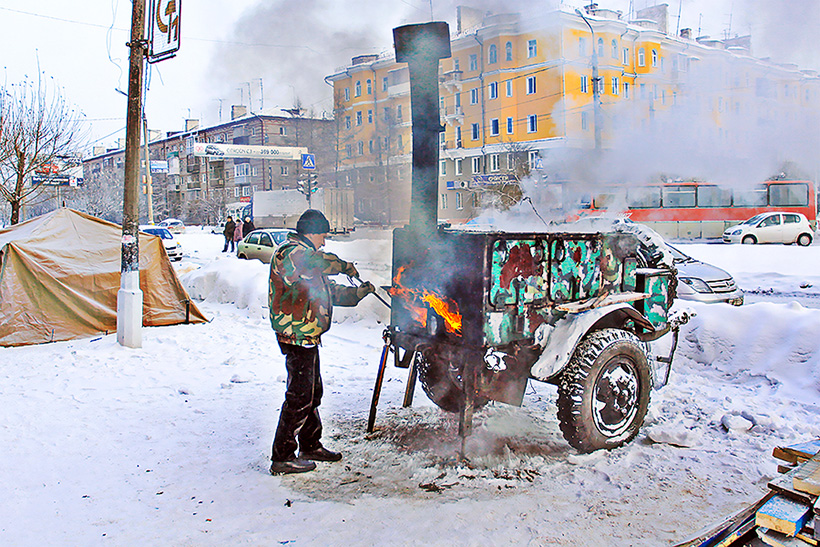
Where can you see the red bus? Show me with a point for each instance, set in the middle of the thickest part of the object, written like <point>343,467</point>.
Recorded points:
<point>702,209</point>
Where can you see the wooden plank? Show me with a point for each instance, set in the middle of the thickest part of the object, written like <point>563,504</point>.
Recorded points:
<point>776,539</point>
<point>784,485</point>
<point>807,477</point>
<point>797,453</point>
<point>783,515</point>
<point>727,527</point>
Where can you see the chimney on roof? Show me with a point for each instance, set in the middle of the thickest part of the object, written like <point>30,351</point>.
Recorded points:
<point>238,110</point>
<point>468,18</point>
<point>98,151</point>
<point>658,13</point>
<point>686,33</point>
<point>191,125</point>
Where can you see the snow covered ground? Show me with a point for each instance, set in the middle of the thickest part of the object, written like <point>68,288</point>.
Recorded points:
<point>169,444</point>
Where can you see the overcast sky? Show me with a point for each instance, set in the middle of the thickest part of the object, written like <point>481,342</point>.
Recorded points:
<point>228,47</point>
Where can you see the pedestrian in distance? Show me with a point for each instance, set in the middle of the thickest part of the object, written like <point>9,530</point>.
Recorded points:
<point>237,235</point>
<point>247,227</point>
<point>230,226</point>
<point>301,298</point>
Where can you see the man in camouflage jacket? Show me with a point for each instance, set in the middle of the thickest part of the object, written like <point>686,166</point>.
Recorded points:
<point>301,299</point>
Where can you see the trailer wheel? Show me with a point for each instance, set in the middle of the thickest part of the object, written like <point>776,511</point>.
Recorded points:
<point>441,381</point>
<point>603,393</point>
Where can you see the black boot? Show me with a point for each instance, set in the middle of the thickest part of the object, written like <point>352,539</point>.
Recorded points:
<point>320,454</point>
<point>296,465</point>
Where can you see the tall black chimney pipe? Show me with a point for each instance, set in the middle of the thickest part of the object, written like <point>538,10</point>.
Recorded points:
<point>421,47</point>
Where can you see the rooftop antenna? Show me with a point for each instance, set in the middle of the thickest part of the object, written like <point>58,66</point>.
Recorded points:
<point>700,23</point>
<point>731,13</point>
<point>431,10</point>
<point>220,109</point>
<point>680,7</point>
<point>241,95</point>
<point>261,96</point>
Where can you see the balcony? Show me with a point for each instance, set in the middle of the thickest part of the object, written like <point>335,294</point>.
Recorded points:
<point>452,80</point>
<point>453,115</point>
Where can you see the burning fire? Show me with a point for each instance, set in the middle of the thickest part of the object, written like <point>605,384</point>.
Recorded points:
<point>446,308</point>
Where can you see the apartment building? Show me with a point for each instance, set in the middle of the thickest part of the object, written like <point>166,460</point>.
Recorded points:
<point>521,90</point>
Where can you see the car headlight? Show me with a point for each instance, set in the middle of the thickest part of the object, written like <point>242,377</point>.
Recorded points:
<point>697,285</point>
<point>737,232</point>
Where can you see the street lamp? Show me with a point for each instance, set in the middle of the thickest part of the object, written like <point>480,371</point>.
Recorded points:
<point>596,102</point>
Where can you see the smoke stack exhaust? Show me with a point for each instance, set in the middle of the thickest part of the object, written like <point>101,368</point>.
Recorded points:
<point>421,47</point>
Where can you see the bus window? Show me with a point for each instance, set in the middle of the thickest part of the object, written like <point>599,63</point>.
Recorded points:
<point>751,198</point>
<point>789,194</point>
<point>678,196</point>
<point>603,201</point>
<point>712,196</point>
<point>644,198</point>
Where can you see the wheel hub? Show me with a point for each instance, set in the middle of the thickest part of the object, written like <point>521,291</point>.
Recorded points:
<point>615,399</point>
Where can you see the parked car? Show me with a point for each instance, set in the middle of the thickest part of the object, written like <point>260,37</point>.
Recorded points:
<point>172,247</point>
<point>774,227</point>
<point>703,282</point>
<point>261,243</point>
<point>174,225</point>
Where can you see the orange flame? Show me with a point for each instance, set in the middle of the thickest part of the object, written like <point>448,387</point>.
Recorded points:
<point>446,308</point>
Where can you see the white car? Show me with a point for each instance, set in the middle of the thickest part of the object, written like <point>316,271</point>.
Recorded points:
<point>774,227</point>
<point>174,225</point>
<point>172,247</point>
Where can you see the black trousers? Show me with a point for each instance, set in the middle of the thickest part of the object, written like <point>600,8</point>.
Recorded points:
<point>228,243</point>
<point>299,417</point>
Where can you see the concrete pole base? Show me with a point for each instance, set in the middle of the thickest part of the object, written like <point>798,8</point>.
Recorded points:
<point>129,311</point>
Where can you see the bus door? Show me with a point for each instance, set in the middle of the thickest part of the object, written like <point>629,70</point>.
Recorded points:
<point>770,229</point>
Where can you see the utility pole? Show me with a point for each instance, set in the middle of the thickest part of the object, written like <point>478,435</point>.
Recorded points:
<point>149,190</point>
<point>129,297</point>
<point>596,100</point>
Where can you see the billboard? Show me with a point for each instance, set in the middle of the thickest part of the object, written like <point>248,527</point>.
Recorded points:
<point>163,29</point>
<point>211,150</point>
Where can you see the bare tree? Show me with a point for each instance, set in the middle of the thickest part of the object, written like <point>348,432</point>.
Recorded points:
<point>503,195</point>
<point>38,128</point>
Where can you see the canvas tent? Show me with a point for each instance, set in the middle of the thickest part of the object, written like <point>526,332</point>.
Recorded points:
<point>60,274</point>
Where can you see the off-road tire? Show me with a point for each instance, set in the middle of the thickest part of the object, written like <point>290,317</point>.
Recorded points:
<point>603,393</point>
<point>804,240</point>
<point>748,240</point>
<point>243,257</point>
<point>442,385</point>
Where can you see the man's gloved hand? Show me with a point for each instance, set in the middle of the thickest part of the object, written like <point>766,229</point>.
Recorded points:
<point>364,289</point>
<point>351,270</point>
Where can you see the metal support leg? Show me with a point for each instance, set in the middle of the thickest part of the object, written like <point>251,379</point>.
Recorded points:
<point>465,421</point>
<point>377,389</point>
<point>411,383</point>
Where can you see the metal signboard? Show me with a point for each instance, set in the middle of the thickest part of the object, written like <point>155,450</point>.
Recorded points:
<point>212,150</point>
<point>489,180</point>
<point>308,161</point>
<point>163,29</point>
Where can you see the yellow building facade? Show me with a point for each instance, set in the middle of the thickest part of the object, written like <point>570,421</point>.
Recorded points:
<point>521,89</point>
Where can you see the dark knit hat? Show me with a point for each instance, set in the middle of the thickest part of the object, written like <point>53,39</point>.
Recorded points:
<point>312,222</point>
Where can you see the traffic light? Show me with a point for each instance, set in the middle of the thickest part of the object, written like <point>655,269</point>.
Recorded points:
<point>308,184</point>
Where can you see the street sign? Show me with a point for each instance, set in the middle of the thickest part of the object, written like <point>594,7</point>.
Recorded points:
<point>213,150</point>
<point>163,29</point>
<point>308,161</point>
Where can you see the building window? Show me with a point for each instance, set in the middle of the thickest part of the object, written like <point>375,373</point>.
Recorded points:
<point>584,121</point>
<point>530,85</point>
<point>474,131</point>
<point>508,51</point>
<point>347,93</point>
<point>246,191</point>
<point>459,201</point>
<point>474,96</point>
<point>641,57</point>
<point>494,129</point>
<point>283,170</point>
<point>242,170</point>
<point>358,88</point>
<point>476,165</point>
<point>614,49</point>
<point>442,168</point>
<point>349,150</point>
<point>643,91</point>
<point>600,85</point>
<point>509,88</point>
<point>359,117</point>
<point>626,90</point>
<point>369,116</point>
<point>584,85</point>
<point>532,49</point>
<point>654,58</point>
<point>384,83</point>
<point>236,191</point>
<point>493,90</point>
<point>386,143</point>
<point>473,62</point>
<point>532,123</point>
<point>369,87</point>
<point>386,113</point>
<point>347,122</point>
<point>495,164</point>
<point>582,46</point>
<point>600,47</point>
<point>400,142</point>
<point>360,148</point>
<point>283,130</point>
<point>625,55</point>
<point>492,55</point>
<point>458,165</point>
<point>458,136</point>
<point>398,112</point>
<point>443,201</point>
<point>509,126</point>
<point>534,160</point>
<point>510,162</point>
<point>615,85</point>
<point>371,145</point>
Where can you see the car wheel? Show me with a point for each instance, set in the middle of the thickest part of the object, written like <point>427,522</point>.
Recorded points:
<point>749,240</point>
<point>804,240</point>
<point>603,393</point>
<point>242,256</point>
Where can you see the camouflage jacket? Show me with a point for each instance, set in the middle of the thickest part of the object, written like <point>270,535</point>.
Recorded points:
<point>300,295</point>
